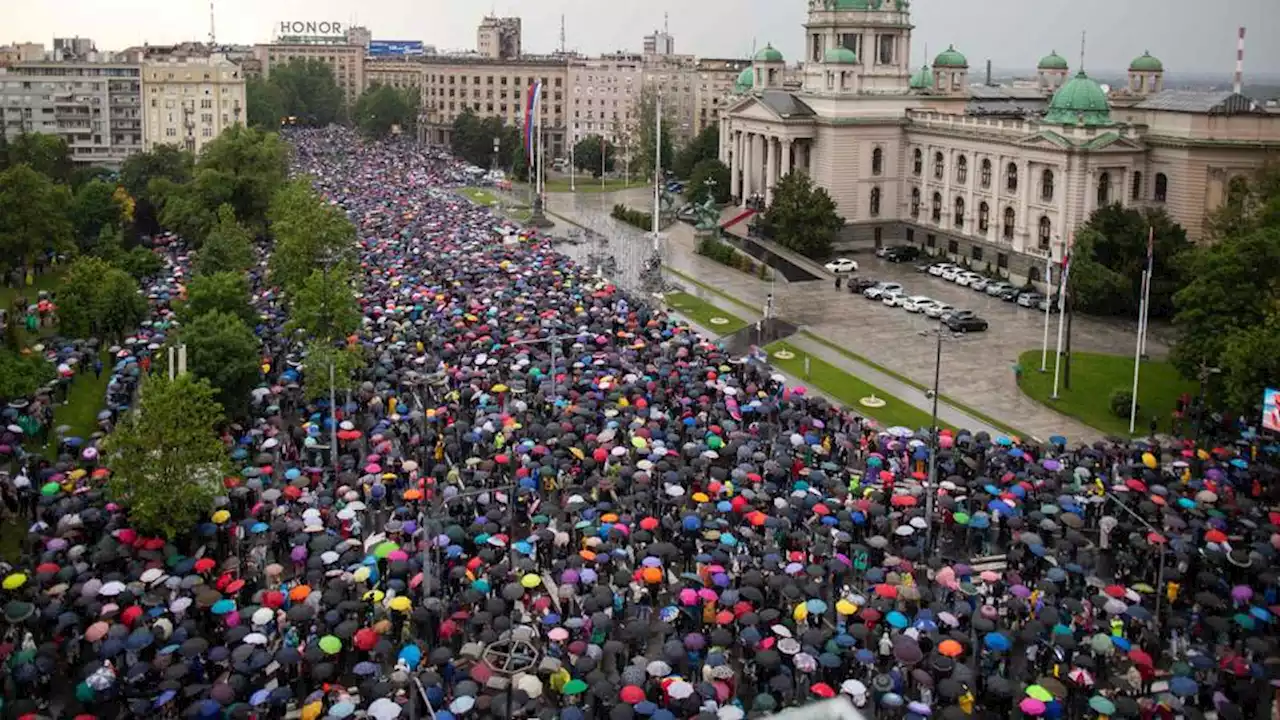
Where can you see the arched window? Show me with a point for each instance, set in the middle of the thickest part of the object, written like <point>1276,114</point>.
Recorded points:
<point>986,173</point>
<point>984,217</point>
<point>915,202</point>
<point>959,218</point>
<point>1104,189</point>
<point>1046,186</point>
<point>962,169</point>
<point>875,201</point>
<point>939,166</point>
<point>1011,177</point>
<point>1033,273</point>
<point>1046,229</point>
<point>917,162</point>
<point>1237,191</point>
<point>937,207</point>
<point>1135,193</point>
<point>1162,187</point>
<point>877,161</point>
<point>1008,223</point>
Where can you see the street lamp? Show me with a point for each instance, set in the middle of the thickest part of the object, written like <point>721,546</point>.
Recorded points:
<point>554,341</point>
<point>1203,374</point>
<point>931,491</point>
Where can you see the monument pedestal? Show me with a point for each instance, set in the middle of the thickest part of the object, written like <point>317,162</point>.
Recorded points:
<point>537,216</point>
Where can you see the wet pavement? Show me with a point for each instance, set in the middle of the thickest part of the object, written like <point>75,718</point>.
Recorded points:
<point>790,270</point>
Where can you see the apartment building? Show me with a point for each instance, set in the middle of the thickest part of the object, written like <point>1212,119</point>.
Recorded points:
<point>494,88</point>
<point>714,89</point>
<point>344,54</point>
<point>499,38</point>
<point>606,96</point>
<point>675,78</point>
<point>95,106</point>
<point>396,72</point>
<point>190,101</point>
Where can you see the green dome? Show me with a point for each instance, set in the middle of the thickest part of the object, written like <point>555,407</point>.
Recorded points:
<point>1080,100</point>
<point>922,80</point>
<point>746,80</point>
<point>1146,63</point>
<point>1052,61</point>
<point>950,58</point>
<point>769,54</point>
<point>840,56</point>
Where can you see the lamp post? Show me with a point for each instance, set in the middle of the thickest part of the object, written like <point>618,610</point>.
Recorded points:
<point>1150,528</point>
<point>327,261</point>
<point>1203,374</point>
<point>554,341</point>
<point>931,491</point>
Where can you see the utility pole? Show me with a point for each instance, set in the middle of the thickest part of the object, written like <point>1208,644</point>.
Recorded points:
<point>554,341</point>
<point>326,323</point>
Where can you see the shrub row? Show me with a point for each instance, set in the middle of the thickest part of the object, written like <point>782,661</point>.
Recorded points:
<point>635,218</point>
<point>725,254</point>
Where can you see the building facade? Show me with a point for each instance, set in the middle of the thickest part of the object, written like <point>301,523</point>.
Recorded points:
<point>494,88</point>
<point>397,72</point>
<point>95,106</point>
<point>660,42</point>
<point>998,177</point>
<point>716,78</point>
<point>605,95</point>
<point>344,54</point>
<point>498,38</point>
<point>189,102</point>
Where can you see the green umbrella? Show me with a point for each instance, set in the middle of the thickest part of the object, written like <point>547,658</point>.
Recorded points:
<point>1102,705</point>
<point>17,611</point>
<point>1039,693</point>
<point>574,687</point>
<point>50,489</point>
<point>385,548</point>
<point>331,645</point>
<point>84,693</point>
<point>1244,621</point>
<point>961,518</point>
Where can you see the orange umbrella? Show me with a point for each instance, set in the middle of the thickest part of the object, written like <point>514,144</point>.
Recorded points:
<point>950,648</point>
<point>413,494</point>
<point>299,593</point>
<point>652,575</point>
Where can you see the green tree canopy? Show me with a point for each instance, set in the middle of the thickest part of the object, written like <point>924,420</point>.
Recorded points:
<point>472,140</point>
<point>168,162</point>
<point>308,91</point>
<point>166,458</point>
<point>254,163</point>
<point>317,358</point>
<point>93,209</point>
<point>381,108</point>
<point>224,351</point>
<point>97,299</point>
<point>645,147</point>
<point>704,146</point>
<point>709,174</point>
<point>1112,262</point>
<point>324,306</point>
<point>586,155</point>
<point>21,374</point>
<point>225,292</point>
<point>308,232</point>
<point>46,154</point>
<point>228,248</point>
<point>803,216</point>
<point>33,216</point>
<point>84,174</point>
<point>265,104</point>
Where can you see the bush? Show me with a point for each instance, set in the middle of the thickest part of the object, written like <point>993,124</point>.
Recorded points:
<point>1122,402</point>
<point>635,218</point>
<point>725,254</point>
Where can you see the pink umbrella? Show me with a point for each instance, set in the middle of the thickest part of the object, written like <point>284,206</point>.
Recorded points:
<point>708,595</point>
<point>373,468</point>
<point>688,597</point>
<point>1031,706</point>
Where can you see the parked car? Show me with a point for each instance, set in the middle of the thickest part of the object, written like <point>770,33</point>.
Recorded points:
<point>937,269</point>
<point>923,267</point>
<point>1050,304</point>
<point>1030,299</point>
<point>938,309</point>
<point>964,325</point>
<point>876,291</point>
<point>901,253</point>
<point>959,314</point>
<point>952,273</point>
<point>1010,294</point>
<point>996,288</point>
<point>916,303</point>
<point>893,298</point>
<point>841,266</point>
<point>857,285</point>
<point>967,279</point>
<point>980,284</point>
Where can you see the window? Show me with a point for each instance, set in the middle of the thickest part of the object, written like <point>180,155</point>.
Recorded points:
<point>1104,189</point>
<point>1046,186</point>
<point>1011,177</point>
<point>877,161</point>
<point>879,235</point>
<point>917,162</point>
<point>939,166</point>
<point>1008,223</point>
<point>886,50</point>
<point>953,247</point>
<point>1046,229</point>
<point>984,217</point>
<point>975,252</point>
<point>911,236</point>
<point>931,240</point>
<point>1002,262</point>
<point>875,201</point>
<point>915,202</point>
<point>962,169</point>
<point>937,207</point>
<point>959,217</point>
<point>1162,187</point>
<point>986,173</point>
<point>816,42</point>
<point>1135,192</point>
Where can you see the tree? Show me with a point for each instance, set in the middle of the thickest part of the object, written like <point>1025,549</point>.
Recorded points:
<point>646,146</point>
<point>46,154</point>
<point>166,458</point>
<point>22,372</point>
<point>308,232</point>
<point>1117,257</point>
<point>586,155</point>
<point>224,351</point>
<point>264,104</point>
<point>224,292</point>
<point>254,163</point>
<point>308,91</point>
<point>324,306</point>
<point>316,359</point>
<point>85,174</point>
<point>139,262</point>
<point>472,140</point>
<point>802,217</point>
<point>93,209</point>
<point>382,108</point>
<point>710,175</point>
<point>1250,362</point>
<point>97,299</point>
<point>704,146</point>
<point>228,248</point>
<point>33,217</point>
<point>168,162</point>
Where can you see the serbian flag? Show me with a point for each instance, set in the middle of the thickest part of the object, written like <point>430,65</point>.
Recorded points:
<point>530,114</point>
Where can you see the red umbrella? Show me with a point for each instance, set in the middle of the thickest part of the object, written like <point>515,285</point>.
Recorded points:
<point>366,638</point>
<point>1140,657</point>
<point>204,565</point>
<point>631,694</point>
<point>1215,536</point>
<point>822,690</point>
<point>886,590</point>
<point>1115,591</point>
<point>273,599</point>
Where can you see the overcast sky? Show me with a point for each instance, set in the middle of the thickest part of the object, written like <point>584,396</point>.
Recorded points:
<point>1188,35</point>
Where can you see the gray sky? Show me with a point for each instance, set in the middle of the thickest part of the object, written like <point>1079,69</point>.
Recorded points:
<point>1189,36</point>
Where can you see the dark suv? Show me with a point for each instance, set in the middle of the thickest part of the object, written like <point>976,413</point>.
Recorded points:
<point>857,285</point>
<point>965,324</point>
<point>901,253</point>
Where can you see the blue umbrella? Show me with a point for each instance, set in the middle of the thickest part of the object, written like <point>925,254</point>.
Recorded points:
<point>223,607</point>
<point>896,619</point>
<point>995,641</point>
<point>1183,686</point>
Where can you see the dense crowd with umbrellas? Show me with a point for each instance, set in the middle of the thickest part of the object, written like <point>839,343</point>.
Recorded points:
<point>552,499</point>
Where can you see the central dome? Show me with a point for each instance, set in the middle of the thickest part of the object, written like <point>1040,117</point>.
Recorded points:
<point>840,56</point>
<point>1080,101</point>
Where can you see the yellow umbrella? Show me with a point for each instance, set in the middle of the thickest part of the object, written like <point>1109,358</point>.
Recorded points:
<point>76,474</point>
<point>800,613</point>
<point>1149,460</point>
<point>14,581</point>
<point>361,574</point>
<point>374,596</point>
<point>637,441</point>
<point>530,581</point>
<point>221,516</point>
<point>577,452</point>
<point>400,603</point>
<point>312,711</point>
<point>499,388</point>
<point>844,607</point>
<point>700,497</point>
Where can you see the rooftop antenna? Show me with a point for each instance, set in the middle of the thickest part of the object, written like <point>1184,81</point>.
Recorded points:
<point>1082,39</point>
<point>666,24</point>
<point>212,35</point>
<point>1238,87</point>
<point>561,33</point>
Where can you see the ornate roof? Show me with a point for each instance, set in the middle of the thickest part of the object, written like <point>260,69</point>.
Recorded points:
<point>950,58</point>
<point>1080,101</point>
<point>1052,61</point>
<point>769,53</point>
<point>1146,63</point>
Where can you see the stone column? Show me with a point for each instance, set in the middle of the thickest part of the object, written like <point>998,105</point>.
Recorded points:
<point>735,166</point>
<point>788,162</point>
<point>758,179</point>
<point>1090,192</point>
<point>770,167</point>
<point>1024,225</point>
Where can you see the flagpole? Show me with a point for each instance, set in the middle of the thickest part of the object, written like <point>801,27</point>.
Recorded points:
<point>1062,314</point>
<point>572,169</point>
<point>1137,358</point>
<point>1151,275</point>
<point>657,166</point>
<point>1048,286</point>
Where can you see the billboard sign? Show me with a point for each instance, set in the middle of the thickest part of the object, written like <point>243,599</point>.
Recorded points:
<point>1271,409</point>
<point>311,28</point>
<point>391,48</point>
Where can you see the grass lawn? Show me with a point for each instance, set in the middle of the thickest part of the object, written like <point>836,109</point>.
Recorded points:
<point>589,184</point>
<point>1093,378</point>
<point>848,389</point>
<point>478,196</point>
<point>46,281</point>
<point>11,533</point>
<point>704,313</point>
<point>85,401</point>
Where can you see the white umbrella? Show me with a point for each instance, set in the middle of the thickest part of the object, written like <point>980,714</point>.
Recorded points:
<point>112,588</point>
<point>657,668</point>
<point>384,709</point>
<point>262,616</point>
<point>255,639</point>
<point>680,690</point>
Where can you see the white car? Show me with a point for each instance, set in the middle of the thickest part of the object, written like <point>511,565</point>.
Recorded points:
<point>937,269</point>
<point>968,278</point>
<point>952,273</point>
<point>893,298</point>
<point>938,309</point>
<point>879,289</point>
<point>840,266</point>
<point>916,303</point>
<point>980,284</point>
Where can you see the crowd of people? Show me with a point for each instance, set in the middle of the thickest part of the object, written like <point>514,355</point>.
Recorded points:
<point>552,499</point>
